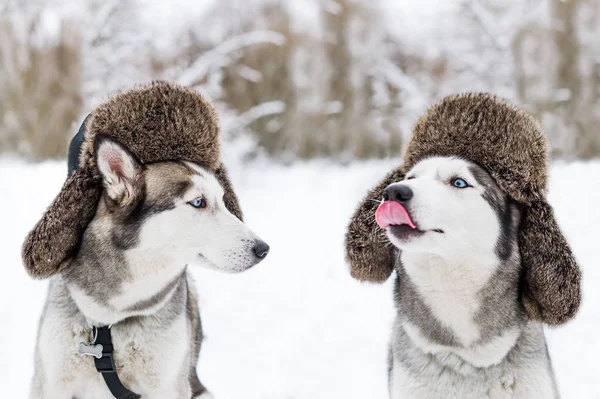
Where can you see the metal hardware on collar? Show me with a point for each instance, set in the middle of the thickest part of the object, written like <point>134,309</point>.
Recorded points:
<point>94,334</point>
<point>92,350</point>
<point>101,348</point>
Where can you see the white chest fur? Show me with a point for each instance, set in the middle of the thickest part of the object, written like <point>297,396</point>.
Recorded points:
<point>450,289</point>
<point>153,362</point>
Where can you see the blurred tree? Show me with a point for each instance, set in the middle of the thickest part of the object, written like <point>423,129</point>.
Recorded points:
<point>306,93</point>
<point>559,81</point>
<point>342,79</point>
<point>40,86</point>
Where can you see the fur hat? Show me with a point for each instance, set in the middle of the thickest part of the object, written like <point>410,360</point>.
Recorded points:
<point>511,146</point>
<point>155,122</point>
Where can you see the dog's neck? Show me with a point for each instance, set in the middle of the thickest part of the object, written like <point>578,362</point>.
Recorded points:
<point>109,284</point>
<point>458,298</point>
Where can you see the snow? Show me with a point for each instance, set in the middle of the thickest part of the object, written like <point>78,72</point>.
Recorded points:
<point>219,56</point>
<point>295,326</point>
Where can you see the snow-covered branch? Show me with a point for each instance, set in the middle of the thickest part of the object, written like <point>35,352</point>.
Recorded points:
<point>220,56</point>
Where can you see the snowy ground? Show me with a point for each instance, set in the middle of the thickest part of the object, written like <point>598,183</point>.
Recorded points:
<point>296,326</point>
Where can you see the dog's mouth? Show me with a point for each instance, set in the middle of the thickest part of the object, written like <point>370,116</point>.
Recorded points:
<point>206,261</point>
<point>393,216</point>
<point>231,267</point>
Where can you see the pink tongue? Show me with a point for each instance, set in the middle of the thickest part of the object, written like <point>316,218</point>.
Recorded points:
<point>392,213</point>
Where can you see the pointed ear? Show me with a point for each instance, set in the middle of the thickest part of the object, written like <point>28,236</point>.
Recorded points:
<point>368,250</point>
<point>120,170</point>
<point>552,280</point>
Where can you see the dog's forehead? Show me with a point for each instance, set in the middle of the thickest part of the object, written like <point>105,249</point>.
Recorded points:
<point>204,180</point>
<point>442,166</point>
<point>447,167</point>
<point>177,179</point>
<point>167,180</point>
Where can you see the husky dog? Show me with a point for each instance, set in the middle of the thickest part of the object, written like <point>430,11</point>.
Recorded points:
<point>461,330</point>
<point>131,272</point>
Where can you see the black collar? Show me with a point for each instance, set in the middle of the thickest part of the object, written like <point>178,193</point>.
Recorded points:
<point>102,350</point>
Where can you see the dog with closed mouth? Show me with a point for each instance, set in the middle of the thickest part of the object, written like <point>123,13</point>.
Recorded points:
<point>150,219</point>
<point>480,262</point>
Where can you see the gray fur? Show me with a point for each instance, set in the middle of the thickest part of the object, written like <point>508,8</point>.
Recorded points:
<point>411,307</point>
<point>197,337</point>
<point>501,308</point>
<point>100,270</point>
<point>99,273</point>
<point>130,272</point>
<point>66,325</point>
<point>508,212</point>
<point>158,297</point>
<point>448,376</point>
<point>443,373</point>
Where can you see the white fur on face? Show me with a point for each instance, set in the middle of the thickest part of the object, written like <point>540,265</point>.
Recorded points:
<point>468,223</point>
<point>210,236</point>
<point>449,267</point>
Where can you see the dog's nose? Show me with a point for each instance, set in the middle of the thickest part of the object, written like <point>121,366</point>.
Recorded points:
<point>397,192</point>
<point>260,249</point>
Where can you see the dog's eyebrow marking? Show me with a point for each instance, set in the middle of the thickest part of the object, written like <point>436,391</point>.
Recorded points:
<point>196,169</point>
<point>484,179</point>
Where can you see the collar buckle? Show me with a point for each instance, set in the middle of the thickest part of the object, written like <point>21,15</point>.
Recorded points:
<point>105,363</point>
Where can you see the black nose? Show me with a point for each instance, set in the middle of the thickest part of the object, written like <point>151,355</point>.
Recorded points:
<point>260,249</point>
<point>397,192</point>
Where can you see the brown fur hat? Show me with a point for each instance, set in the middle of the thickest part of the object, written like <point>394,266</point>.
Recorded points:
<point>512,147</point>
<point>156,122</point>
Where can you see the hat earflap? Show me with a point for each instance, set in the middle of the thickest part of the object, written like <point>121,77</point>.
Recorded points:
<point>55,239</point>
<point>368,250</point>
<point>551,291</point>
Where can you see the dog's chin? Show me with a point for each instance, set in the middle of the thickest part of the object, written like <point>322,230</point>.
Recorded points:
<point>404,232</point>
<point>404,236</point>
<point>225,267</point>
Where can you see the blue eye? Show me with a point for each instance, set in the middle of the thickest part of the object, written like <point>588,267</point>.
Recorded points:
<point>459,183</point>
<point>199,202</point>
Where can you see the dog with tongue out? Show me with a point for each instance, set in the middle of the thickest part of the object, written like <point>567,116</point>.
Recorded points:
<point>481,264</point>
<point>391,214</point>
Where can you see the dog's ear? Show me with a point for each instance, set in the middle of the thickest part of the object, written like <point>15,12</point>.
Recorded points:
<point>551,289</point>
<point>230,199</point>
<point>121,172</point>
<point>368,250</point>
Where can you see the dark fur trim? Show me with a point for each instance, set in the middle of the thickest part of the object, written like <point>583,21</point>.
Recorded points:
<point>552,279</point>
<point>368,250</point>
<point>511,146</point>
<point>55,238</point>
<point>155,122</point>
<point>158,122</point>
